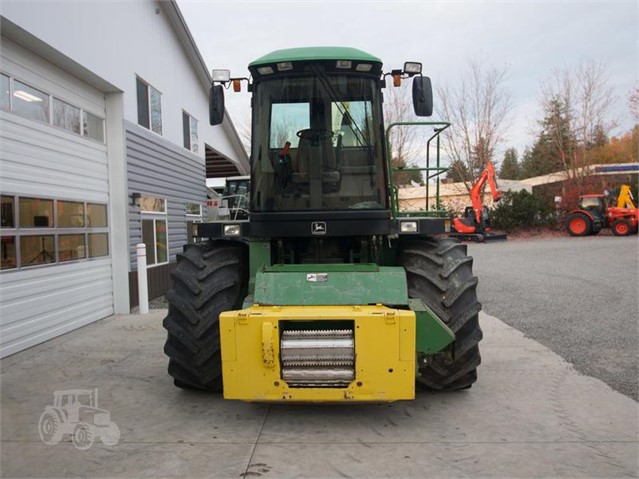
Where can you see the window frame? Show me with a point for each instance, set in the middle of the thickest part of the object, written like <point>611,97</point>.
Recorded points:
<point>54,230</point>
<point>50,121</point>
<point>187,134</point>
<point>140,84</point>
<point>154,218</point>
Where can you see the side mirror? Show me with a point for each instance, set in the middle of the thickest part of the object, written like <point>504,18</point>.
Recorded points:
<point>422,96</point>
<point>216,104</point>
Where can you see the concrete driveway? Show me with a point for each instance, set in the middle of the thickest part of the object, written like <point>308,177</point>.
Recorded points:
<point>530,415</point>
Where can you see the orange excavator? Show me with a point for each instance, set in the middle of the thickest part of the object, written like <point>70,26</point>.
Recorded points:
<point>474,224</point>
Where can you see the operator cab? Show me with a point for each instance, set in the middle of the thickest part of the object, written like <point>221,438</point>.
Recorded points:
<point>593,203</point>
<point>317,145</point>
<point>314,142</point>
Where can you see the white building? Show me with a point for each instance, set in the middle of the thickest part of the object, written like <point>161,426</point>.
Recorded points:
<point>105,143</point>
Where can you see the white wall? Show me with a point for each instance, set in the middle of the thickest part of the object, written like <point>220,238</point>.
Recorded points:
<point>119,40</point>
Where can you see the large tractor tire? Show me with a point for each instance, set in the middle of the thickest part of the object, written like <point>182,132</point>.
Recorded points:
<point>439,272</point>
<point>209,279</point>
<point>579,224</point>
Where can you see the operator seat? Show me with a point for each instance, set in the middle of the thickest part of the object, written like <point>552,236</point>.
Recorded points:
<point>316,159</point>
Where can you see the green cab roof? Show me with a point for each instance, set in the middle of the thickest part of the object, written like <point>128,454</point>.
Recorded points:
<point>315,53</point>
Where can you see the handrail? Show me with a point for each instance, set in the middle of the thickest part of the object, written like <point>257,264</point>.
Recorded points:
<point>394,197</point>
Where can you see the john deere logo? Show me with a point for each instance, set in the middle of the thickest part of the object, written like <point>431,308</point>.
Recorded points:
<point>318,228</point>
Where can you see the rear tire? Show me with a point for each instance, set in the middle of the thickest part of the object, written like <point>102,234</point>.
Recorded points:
<point>578,224</point>
<point>621,227</point>
<point>439,272</point>
<point>208,279</point>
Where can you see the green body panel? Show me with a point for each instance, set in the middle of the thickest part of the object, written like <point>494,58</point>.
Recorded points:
<point>315,53</point>
<point>259,255</point>
<point>335,285</point>
<point>432,334</point>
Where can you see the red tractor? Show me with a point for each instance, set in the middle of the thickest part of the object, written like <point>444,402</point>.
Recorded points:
<point>594,214</point>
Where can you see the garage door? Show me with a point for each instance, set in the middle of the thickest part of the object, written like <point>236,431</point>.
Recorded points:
<point>56,267</point>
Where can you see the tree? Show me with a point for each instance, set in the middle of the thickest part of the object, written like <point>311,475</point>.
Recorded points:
<point>583,99</point>
<point>510,169</point>
<point>633,103</point>
<point>398,107</point>
<point>458,172</point>
<point>478,109</point>
<point>554,137</point>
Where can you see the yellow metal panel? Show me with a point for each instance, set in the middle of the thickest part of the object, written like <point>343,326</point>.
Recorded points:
<point>384,353</point>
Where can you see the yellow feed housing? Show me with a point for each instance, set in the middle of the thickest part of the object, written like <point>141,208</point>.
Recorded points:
<point>318,353</point>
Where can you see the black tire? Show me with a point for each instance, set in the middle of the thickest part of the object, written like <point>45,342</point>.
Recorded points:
<point>209,279</point>
<point>439,272</point>
<point>579,224</point>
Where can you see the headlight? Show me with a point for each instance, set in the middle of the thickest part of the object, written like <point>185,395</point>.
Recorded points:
<point>232,230</point>
<point>408,226</point>
<point>412,68</point>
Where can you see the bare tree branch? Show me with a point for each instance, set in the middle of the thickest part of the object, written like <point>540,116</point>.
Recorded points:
<point>478,110</point>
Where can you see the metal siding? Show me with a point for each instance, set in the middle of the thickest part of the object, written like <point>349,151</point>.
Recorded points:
<point>37,159</point>
<point>40,303</point>
<point>159,168</point>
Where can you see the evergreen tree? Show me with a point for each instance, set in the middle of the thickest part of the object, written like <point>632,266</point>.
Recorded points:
<point>510,169</point>
<point>458,172</point>
<point>553,145</point>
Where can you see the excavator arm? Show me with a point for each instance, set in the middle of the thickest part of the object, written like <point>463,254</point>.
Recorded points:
<point>488,175</point>
<point>625,199</point>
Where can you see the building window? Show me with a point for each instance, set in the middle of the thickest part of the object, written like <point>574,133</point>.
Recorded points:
<point>152,204</point>
<point>38,249</point>
<point>98,245</point>
<point>5,93</point>
<point>8,258</point>
<point>71,247</point>
<point>36,213</point>
<point>149,107</point>
<point>34,104</point>
<point>189,132</point>
<point>155,238</point>
<point>70,214</point>
<point>7,215</point>
<point>30,102</point>
<point>92,126</point>
<point>66,116</point>
<point>96,215</point>
<point>194,209</point>
<point>154,234</point>
<point>50,230</point>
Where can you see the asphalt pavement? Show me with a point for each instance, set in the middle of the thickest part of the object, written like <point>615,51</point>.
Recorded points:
<point>577,296</point>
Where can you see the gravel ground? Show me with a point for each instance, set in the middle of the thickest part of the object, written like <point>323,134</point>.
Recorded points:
<point>158,303</point>
<point>576,296</point>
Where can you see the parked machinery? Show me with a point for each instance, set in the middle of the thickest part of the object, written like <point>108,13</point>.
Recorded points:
<point>596,212</point>
<point>474,225</point>
<point>327,292</point>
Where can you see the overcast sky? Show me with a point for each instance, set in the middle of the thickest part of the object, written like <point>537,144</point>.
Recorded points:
<point>529,38</point>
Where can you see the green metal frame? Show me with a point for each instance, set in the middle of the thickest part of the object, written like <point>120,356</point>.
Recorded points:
<point>438,170</point>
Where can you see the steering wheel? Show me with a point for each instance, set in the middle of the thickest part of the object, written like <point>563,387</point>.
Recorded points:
<point>314,134</point>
